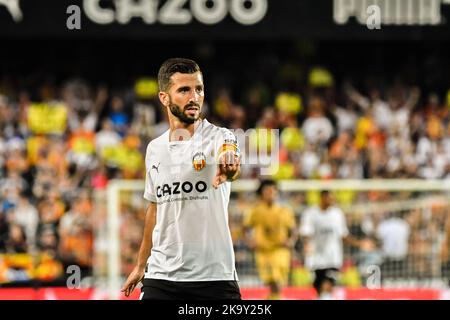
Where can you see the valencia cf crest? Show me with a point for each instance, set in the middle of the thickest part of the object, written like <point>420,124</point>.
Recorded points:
<point>199,161</point>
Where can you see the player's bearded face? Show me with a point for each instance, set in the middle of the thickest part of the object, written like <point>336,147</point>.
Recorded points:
<point>187,114</point>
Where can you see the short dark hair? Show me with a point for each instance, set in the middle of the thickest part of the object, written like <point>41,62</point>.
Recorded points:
<point>324,193</point>
<point>172,66</point>
<point>263,184</point>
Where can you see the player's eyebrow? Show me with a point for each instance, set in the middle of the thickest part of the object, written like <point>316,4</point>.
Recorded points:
<point>184,88</point>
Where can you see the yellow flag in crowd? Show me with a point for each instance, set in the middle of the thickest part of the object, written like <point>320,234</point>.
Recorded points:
<point>123,157</point>
<point>146,88</point>
<point>289,102</point>
<point>320,77</point>
<point>44,118</point>
<point>292,139</point>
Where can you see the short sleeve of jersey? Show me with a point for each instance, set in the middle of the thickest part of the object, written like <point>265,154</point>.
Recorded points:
<point>226,141</point>
<point>149,193</point>
<point>306,225</point>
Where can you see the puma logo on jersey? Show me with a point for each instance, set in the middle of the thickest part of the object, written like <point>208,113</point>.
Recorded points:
<point>156,167</point>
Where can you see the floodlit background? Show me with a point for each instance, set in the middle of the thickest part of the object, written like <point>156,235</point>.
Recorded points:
<point>353,104</point>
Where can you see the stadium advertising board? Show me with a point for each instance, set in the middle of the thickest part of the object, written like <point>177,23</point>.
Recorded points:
<point>328,19</point>
<point>59,293</point>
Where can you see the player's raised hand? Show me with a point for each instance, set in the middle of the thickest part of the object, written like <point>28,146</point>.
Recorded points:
<point>134,278</point>
<point>227,168</point>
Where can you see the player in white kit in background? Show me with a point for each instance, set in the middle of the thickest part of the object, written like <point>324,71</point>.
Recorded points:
<point>187,250</point>
<point>324,230</point>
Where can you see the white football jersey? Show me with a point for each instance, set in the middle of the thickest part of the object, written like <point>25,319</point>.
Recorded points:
<point>326,230</point>
<point>191,239</point>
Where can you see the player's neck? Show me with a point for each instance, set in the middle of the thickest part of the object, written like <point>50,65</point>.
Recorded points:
<point>268,203</point>
<point>180,131</point>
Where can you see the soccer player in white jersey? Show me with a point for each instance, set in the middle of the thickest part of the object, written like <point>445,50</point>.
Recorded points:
<point>324,229</point>
<point>186,250</point>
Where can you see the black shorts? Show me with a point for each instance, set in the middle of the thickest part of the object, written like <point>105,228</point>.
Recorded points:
<point>321,275</point>
<point>155,289</point>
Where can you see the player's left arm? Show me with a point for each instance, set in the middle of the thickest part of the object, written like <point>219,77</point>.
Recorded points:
<point>228,159</point>
<point>351,241</point>
<point>306,227</point>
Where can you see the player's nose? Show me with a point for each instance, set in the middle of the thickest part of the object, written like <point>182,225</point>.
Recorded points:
<point>194,97</point>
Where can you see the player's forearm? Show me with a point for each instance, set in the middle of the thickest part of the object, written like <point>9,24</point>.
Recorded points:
<point>146,244</point>
<point>306,240</point>
<point>352,241</point>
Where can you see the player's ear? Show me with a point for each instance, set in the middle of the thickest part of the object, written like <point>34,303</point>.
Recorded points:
<point>164,98</point>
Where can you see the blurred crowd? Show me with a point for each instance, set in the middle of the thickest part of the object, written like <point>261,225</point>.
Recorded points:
<point>60,144</point>
<point>395,134</point>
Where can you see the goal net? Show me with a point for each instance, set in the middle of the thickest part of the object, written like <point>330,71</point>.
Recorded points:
<point>400,223</point>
